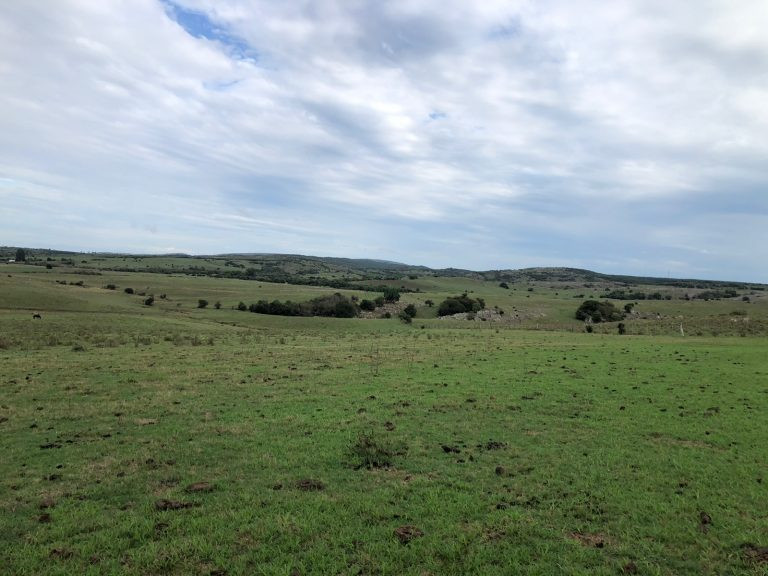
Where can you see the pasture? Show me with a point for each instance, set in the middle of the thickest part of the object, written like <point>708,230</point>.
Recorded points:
<point>176,440</point>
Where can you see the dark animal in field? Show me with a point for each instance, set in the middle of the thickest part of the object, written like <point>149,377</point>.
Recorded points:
<point>36,316</point>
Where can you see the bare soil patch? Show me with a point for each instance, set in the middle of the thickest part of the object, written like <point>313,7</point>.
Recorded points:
<point>407,533</point>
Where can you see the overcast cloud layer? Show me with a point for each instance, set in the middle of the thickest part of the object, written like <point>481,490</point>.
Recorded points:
<point>625,137</point>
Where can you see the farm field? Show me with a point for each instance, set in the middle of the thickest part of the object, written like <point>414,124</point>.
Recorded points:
<point>176,440</point>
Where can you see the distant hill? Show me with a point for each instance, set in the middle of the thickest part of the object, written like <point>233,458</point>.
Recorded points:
<point>333,271</point>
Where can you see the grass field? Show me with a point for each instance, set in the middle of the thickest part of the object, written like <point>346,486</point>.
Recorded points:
<point>173,440</point>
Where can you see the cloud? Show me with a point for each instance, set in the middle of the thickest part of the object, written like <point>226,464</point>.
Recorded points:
<point>499,135</point>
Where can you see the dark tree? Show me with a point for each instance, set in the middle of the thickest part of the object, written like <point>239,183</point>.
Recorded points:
<point>21,255</point>
<point>410,311</point>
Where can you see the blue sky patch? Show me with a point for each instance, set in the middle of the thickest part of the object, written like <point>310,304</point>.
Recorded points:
<point>199,25</point>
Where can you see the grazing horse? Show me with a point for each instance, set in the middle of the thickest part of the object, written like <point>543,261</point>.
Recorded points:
<point>36,316</point>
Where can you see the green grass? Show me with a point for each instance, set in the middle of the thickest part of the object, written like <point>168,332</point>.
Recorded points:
<point>510,451</point>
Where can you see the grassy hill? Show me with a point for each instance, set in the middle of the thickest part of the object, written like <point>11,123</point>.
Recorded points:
<point>174,439</point>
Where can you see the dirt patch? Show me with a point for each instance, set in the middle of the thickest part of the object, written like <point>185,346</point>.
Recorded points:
<point>492,445</point>
<point>629,568</point>
<point>44,518</point>
<point>450,449</point>
<point>389,426</point>
<point>591,540</point>
<point>310,485</point>
<point>60,554</point>
<point>200,487</point>
<point>755,554</point>
<point>407,533</point>
<point>146,421</point>
<point>163,505</point>
<point>705,521</point>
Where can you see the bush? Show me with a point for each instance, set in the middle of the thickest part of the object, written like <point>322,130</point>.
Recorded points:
<point>128,290</point>
<point>242,307</point>
<point>391,294</point>
<point>459,304</point>
<point>149,301</point>
<point>405,318</point>
<point>379,301</point>
<point>202,303</point>
<point>410,311</point>
<point>110,287</point>
<point>598,312</point>
<point>622,328</point>
<point>503,285</point>
<point>217,305</point>
<point>429,303</point>
<point>368,305</point>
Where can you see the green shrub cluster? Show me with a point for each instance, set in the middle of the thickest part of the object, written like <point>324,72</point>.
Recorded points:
<point>459,304</point>
<point>598,312</point>
<point>335,305</point>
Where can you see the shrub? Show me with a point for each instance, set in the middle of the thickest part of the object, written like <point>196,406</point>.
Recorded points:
<point>622,328</point>
<point>128,290</point>
<point>628,307</point>
<point>429,303</point>
<point>589,329</point>
<point>503,285</point>
<point>405,318</point>
<point>459,304</point>
<point>149,301</point>
<point>391,294</point>
<point>368,305</point>
<point>242,307</point>
<point>202,303</point>
<point>598,312</point>
<point>379,301</point>
<point>217,305</point>
<point>410,311</point>
<point>110,287</point>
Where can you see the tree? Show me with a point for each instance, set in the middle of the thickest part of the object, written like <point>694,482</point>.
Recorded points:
<point>241,306</point>
<point>202,303</point>
<point>429,303</point>
<point>21,255</point>
<point>410,311</point>
<point>217,305</point>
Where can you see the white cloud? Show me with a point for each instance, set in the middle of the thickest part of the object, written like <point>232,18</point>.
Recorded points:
<point>572,120</point>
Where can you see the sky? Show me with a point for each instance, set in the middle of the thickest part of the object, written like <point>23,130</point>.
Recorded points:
<point>624,137</point>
